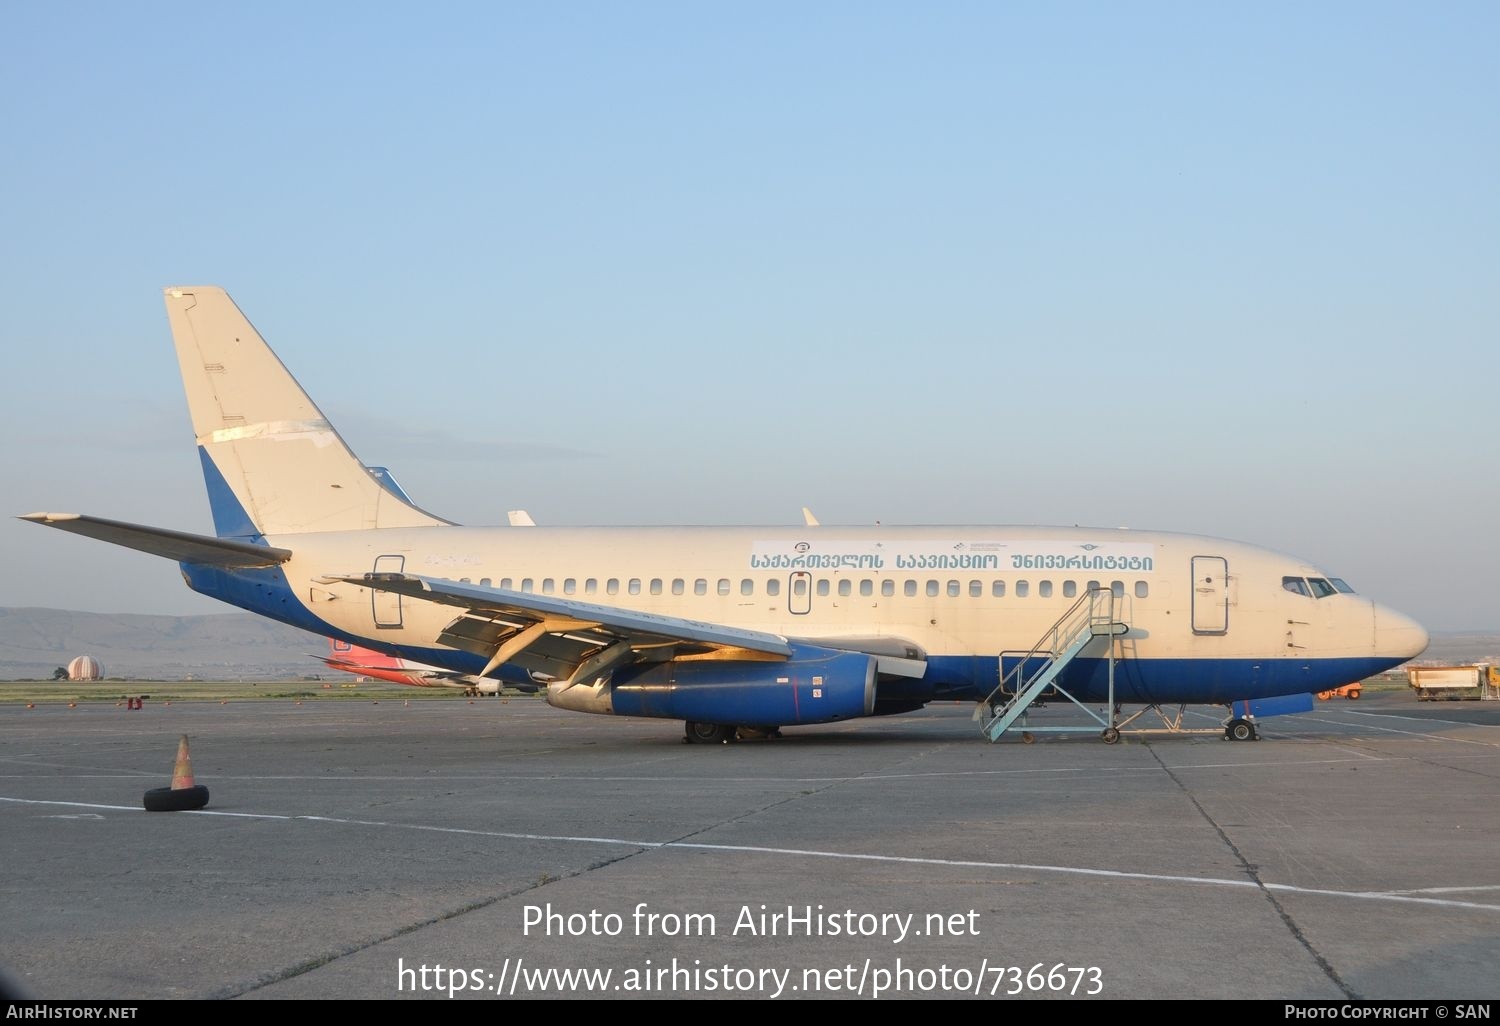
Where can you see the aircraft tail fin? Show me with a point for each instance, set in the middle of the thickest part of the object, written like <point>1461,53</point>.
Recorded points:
<point>271,461</point>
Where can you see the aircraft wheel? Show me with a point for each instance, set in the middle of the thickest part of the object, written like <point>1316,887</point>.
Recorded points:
<point>708,733</point>
<point>175,799</point>
<point>1110,735</point>
<point>1241,730</point>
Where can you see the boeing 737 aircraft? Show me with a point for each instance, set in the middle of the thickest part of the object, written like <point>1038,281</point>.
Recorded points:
<point>734,628</point>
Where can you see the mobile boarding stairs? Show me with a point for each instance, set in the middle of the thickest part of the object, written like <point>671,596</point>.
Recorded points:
<point>1089,623</point>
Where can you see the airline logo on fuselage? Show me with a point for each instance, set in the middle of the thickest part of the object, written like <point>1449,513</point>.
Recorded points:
<point>955,554</point>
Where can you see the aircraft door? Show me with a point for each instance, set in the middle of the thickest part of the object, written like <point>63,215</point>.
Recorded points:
<point>799,593</point>
<point>386,605</point>
<point>1210,595</point>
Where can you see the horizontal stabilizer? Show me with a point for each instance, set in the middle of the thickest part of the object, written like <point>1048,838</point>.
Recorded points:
<point>178,545</point>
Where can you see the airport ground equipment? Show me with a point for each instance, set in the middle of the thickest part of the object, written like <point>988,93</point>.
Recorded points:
<point>1432,683</point>
<point>1349,691</point>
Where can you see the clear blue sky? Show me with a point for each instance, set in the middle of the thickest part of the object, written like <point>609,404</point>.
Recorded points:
<point>1232,270</point>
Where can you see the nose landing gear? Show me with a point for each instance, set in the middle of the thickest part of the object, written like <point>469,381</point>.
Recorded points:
<point>1241,729</point>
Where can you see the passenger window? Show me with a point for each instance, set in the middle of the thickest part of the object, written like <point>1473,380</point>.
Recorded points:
<point>866,588</point>
<point>773,587</point>
<point>505,583</point>
<point>998,589</point>
<point>799,586</point>
<point>747,586</point>
<point>1070,589</point>
<point>723,587</point>
<point>656,585</point>
<point>1118,587</point>
<point>1142,589</point>
<point>1321,588</point>
<point>932,589</point>
<point>1297,586</point>
<point>612,586</point>
<point>569,586</point>
<point>823,586</point>
<point>888,588</point>
<point>591,586</point>
<point>953,589</point>
<point>1022,589</point>
<point>526,584</point>
<point>634,587</point>
<point>846,588</point>
<point>484,582</point>
<point>1044,589</point>
<point>700,587</point>
<point>464,580</point>
<point>910,589</point>
<point>678,586</point>
<point>548,586</point>
<point>976,589</point>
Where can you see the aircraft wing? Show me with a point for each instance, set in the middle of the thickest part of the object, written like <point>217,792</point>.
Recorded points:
<point>367,669</point>
<point>564,639</point>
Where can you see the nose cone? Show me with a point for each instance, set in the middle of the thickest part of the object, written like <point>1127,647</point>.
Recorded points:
<point>1398,636</point>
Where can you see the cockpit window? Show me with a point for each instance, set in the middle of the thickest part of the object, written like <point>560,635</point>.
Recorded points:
<point>1321,588</point>
<point>1296,585</point>
<point>1340,586</point>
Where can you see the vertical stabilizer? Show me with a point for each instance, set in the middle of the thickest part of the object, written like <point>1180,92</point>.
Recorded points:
<point>271,461</point>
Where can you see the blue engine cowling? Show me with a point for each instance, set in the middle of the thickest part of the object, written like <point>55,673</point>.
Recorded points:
<point>817,685</point>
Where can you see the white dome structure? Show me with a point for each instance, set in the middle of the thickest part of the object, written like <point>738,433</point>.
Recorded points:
<point>85,668</point>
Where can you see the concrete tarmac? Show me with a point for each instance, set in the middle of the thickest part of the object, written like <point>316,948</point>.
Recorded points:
<point>370,850</point>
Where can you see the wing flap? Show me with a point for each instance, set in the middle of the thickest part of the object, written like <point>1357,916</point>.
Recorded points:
<point>158,541</point>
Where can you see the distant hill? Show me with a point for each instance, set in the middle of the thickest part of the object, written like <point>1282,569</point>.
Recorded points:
<point>1462,647</point>
<point>35,642</point>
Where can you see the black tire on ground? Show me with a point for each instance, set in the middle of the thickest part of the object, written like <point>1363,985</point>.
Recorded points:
<point>708,733</point>
<point>175,799</point>
<point>1354,695</point>
<point>1241,730</point>
<point>1109,735</point>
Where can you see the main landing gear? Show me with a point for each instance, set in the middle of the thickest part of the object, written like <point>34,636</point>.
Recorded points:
<point>696,733</point>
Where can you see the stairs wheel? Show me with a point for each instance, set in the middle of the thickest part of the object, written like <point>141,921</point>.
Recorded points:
<point>1109,735</point>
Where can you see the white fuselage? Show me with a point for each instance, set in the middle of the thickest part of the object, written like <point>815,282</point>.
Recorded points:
<point>960,593</point>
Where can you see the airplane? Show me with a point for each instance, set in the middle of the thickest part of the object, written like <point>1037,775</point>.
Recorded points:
<point>736,630</point>
<point>367,662</point>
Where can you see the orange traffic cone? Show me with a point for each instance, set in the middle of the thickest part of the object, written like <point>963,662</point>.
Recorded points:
<point>183,795</point>
<point>182,773</point>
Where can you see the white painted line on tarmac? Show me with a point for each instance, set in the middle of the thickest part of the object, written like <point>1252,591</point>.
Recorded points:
<point>1413,733</point>
<point>1402,897</point>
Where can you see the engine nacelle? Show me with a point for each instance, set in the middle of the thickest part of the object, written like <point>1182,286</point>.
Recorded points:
<point>589,698</point>
<point>817,685</point>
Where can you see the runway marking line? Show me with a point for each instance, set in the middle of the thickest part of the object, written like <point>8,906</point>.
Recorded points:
<point>1400,897</point>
